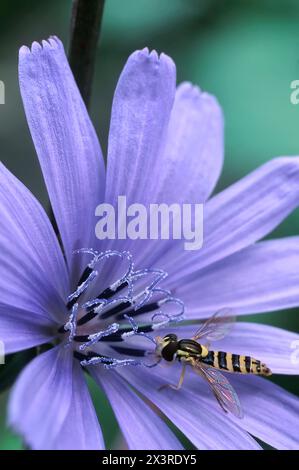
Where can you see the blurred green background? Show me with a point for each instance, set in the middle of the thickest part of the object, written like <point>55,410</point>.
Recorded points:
<point>246,52</point>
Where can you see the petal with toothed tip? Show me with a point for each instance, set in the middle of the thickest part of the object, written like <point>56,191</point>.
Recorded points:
<point>66,144</point>
<point>141,110</point>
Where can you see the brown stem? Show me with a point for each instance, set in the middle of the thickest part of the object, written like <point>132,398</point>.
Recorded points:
<point>85,30</point>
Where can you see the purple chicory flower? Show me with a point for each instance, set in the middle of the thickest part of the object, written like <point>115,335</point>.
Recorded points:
<point>165,145</point>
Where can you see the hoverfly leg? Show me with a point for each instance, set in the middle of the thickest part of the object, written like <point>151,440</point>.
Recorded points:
<point>180,383</point>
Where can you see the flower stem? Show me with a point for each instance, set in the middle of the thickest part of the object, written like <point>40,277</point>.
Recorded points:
<point>85,29</point>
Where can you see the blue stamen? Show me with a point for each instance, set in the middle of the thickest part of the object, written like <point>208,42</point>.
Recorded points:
<point>72,298</point>
<point>110,303</point>
<point>71,325</point>
<point>108,362</point>
<point>135,331</point>
<point>94,338</point>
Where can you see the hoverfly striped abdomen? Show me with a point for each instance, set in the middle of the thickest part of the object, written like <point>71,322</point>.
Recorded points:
<point>235,363</point>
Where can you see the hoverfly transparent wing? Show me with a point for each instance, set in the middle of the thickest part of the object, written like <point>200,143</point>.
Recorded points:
<point>217,326</point>
<point>222,389</point>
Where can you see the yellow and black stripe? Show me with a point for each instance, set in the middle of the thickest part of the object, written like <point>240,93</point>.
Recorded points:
<point>235,363</point>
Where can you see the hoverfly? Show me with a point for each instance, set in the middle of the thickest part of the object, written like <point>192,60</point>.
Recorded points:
<point>208,363</point>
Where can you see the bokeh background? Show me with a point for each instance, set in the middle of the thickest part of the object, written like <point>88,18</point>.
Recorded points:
<point>246,52</point>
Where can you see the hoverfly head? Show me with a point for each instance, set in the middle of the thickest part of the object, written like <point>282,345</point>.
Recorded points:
<point>167,346</point>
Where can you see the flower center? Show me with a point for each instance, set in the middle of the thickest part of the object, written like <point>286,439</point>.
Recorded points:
<point>115,327</point>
